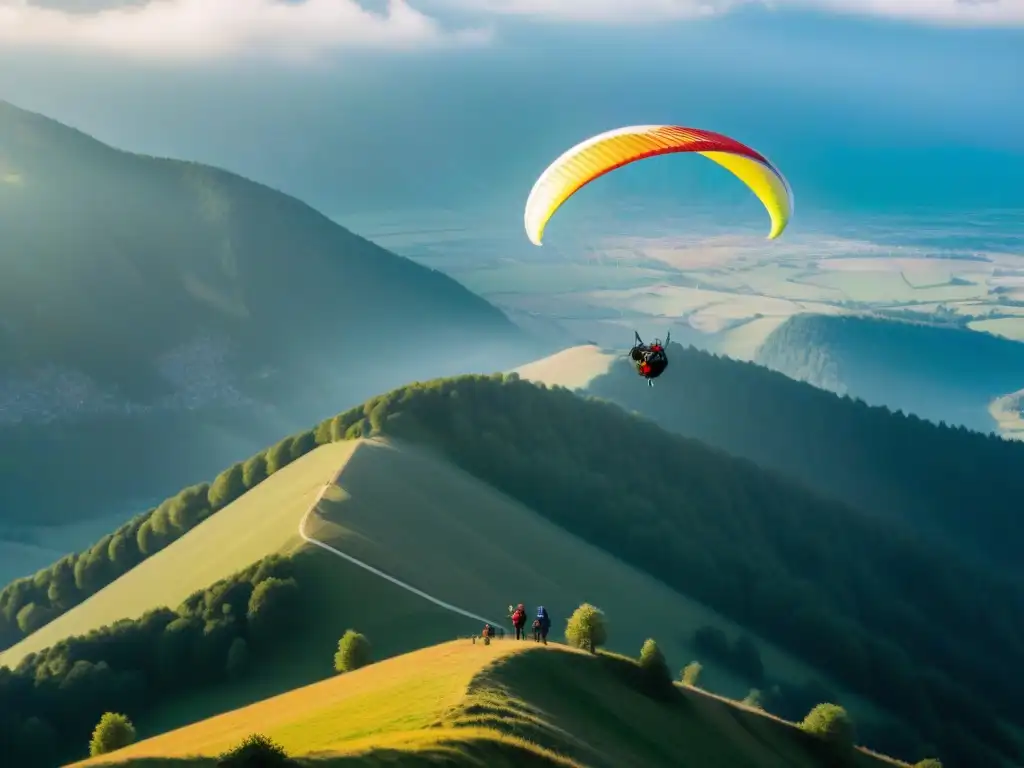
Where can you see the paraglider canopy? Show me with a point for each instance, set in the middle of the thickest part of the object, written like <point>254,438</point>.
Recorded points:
<point>605,152</point>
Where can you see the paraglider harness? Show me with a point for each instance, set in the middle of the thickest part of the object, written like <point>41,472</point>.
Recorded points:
<point>650,361</point>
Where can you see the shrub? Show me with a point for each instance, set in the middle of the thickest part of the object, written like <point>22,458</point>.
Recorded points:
<point>929,762</point>
<point>691,674</point>
<point>652,661</point>
<point>586,628</point>
<point>113,732</point>
<point>832,724</point>
<point>353,652</point>
<point>754,699</point>
<point>255,751</point>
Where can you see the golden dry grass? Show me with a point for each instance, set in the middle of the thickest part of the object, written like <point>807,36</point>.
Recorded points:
<point>573,368</point>
<point>548,706</point>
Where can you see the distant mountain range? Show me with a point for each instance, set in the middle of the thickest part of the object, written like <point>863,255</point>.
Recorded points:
<point>172,316</point>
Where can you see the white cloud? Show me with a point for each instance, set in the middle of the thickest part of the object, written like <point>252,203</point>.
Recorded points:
<point>305,29</point>
<point>953,12</point>
<point>203,29</point>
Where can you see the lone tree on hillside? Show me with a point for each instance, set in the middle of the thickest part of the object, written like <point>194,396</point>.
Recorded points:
<point>353,652</point>
<point>832,724</point>
<point>691,674</point>
<point>113,732</point>
<point>654,667</point>
<point>586,628</point>
<point>255,751</point>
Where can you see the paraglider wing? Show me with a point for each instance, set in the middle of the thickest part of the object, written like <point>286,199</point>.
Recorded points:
<point>607,151</point>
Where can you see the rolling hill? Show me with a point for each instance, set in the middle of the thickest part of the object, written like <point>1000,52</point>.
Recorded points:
<point>506,704</point>
<point>957,487</point>
<point>940,372</point>
<point>511,492</point>
<point>153,313</point>
<point>440,529</point>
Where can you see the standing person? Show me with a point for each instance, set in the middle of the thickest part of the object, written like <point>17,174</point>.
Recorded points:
<point>544,623</point>
<point>519,621</point>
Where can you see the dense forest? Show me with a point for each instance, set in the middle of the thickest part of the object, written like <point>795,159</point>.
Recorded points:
<point>51,702</point>
<point>963,486</point>
<point>938,371</point>
<point>162,300</point>
<point>859,596</point>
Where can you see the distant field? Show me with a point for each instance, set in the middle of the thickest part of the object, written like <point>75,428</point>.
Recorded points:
<point>716,285</point>
<point>1009,327</point>
<point>536,279</point>
<point>886,286</point>
<point>458,702</point>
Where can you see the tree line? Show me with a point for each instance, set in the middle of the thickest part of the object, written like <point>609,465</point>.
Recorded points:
<point>27,604</point>
<point>51,702</point>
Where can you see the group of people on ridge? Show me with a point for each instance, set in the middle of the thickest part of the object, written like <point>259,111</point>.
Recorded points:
<point>541,624</point>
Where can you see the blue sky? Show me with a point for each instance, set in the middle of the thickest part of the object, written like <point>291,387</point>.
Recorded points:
<point>868,107</point>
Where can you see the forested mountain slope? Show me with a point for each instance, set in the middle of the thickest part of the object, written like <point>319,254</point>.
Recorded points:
<point>159,318</point>
<point>958,487</point>
<point>938,372</point>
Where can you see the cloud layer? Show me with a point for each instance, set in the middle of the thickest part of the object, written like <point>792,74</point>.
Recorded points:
<point>203,29</point>
<point>954,12</point>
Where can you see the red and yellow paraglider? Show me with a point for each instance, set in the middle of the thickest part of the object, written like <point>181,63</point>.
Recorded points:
<point>607,151</point>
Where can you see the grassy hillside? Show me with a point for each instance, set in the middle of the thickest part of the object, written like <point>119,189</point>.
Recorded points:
<point>855,595</point>
<point>441,530</point>
<point>143,300</point>
<point>959,487</point>
<point>938,372</point>
<point>504,704</point>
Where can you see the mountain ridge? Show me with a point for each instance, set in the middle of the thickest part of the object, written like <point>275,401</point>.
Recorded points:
<point>156,299</point>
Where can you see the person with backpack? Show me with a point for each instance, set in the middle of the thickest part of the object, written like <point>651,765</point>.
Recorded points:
<point>542,624</point>
<point>519,621</point>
